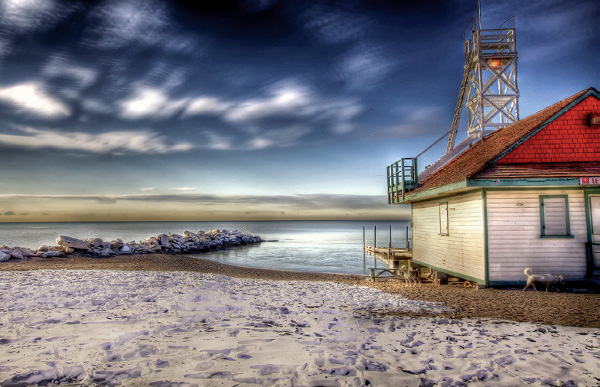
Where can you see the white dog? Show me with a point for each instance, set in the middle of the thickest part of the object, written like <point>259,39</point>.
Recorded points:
<point>544,279</point>
<point>410,275</point>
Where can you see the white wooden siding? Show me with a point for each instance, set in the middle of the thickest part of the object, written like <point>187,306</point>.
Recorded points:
<point>514,236</point>
<point>462,250</point>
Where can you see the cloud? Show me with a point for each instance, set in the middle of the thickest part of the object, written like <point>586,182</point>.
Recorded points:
<point>294,102</point>
<point>147,102</point>
<point>365,66</point>
<point>7,213</point>
<point>282,202</point>
<point>205,105</point>
<point>30,15</point>
<point>216,141</point>
<point>279,137</point>
<point>289,99</point>
<point>32,97</point>
<point>115,142</point>
<point>288,112</point>
<point>184,189</point>
<point>334,25</point>
<point>123,22</point>
<point>58,66</point>
<point>416,121</point>
<point>95,106</point>
<point>147,189</point>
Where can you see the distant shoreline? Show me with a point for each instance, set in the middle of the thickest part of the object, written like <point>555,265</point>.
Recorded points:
<point>569,309</point>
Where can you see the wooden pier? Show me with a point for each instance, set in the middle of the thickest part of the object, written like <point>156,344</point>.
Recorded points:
<point>391,256</point>
<point>394,252</point>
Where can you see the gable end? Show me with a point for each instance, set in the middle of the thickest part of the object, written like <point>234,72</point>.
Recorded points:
<point>565,137</point>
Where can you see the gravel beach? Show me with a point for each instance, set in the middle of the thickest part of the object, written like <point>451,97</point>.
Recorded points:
<point>579,309</point>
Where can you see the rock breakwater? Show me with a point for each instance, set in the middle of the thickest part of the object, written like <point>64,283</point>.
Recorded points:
<point>188,242</point>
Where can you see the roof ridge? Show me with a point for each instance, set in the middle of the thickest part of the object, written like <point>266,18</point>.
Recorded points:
<point>520,128</point>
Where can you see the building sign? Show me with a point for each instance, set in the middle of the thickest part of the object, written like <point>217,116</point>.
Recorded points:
<point>589,181</point>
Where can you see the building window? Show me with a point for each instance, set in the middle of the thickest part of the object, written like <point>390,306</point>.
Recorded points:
<point>443,211</point>
<point>554,214</point>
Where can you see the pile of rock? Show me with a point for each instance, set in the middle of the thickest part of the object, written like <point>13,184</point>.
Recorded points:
<point>189,242</point>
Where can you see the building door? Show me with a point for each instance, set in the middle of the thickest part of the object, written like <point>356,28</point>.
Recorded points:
<point>594,203</point>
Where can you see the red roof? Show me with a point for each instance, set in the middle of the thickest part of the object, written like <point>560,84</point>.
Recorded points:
<point>476,158</point>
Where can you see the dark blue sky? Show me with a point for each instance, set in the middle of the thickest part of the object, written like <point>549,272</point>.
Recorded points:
<point>148,109</point>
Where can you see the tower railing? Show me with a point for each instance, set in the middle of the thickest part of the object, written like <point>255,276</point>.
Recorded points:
<point>402,177</point>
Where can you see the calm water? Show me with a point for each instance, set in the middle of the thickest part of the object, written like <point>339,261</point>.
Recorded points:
<point>321,246</point>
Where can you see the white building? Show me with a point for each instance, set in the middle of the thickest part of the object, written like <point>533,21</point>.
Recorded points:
<point>528,195</point>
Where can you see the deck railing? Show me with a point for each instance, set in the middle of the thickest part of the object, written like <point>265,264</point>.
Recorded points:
<point>402,177</point>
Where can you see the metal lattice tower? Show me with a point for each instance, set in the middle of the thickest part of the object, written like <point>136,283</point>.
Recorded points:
<point>492,94</point>
<point>488,90</point>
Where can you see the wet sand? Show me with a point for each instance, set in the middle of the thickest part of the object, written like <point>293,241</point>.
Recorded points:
<point>570,309</point>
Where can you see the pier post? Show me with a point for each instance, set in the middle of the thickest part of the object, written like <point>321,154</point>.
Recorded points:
<point>390,246</point>
<point>375,246</point>
<point>364,252</point>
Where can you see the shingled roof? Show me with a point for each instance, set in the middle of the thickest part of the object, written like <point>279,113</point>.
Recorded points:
<point>473,160</point>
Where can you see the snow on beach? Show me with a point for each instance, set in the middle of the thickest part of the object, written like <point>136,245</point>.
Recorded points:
<point>163,328</point>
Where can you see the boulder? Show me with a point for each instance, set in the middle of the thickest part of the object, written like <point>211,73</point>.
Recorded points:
<point>26,252</point>
<point>73,243</point>
<point>4,256</point>
<point>16,253</point>
<point>190,236</point>
<point>42,248</point>
<point>94,242</point>
<point>116,244</point>
<point>104,253</point>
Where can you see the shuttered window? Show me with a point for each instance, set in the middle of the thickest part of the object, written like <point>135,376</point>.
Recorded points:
<point>554,213</point>
<point>443,218</point>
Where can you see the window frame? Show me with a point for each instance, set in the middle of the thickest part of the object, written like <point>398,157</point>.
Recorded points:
<point>543,221</point>
<point>440,219</point>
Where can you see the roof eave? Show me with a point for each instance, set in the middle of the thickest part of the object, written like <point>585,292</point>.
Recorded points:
<point>471,184</point>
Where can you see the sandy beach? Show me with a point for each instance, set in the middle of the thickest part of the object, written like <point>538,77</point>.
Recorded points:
<point>572,309</point>
<point>165,320</point>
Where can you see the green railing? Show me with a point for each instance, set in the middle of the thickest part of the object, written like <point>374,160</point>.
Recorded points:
<point>402,177</point>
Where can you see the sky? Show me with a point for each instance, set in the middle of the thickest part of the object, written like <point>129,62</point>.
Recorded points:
<point>141,110</point>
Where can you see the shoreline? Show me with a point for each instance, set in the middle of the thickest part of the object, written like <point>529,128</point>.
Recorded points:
<point>567,309</point>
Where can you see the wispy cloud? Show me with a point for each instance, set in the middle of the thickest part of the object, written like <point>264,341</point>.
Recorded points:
<point>281,137</point>
<point>184,189</point>
<point>147,189</point>
<point>289,99</point>
<point>147,102</point>
<point>205,105</point>
<point>124,22</point>
<point>365,66</point>
<point>415,121</point>
<point>59,66</point>
<point>28,15</point>
<point>334,25</point>
<point>304,202</point>
<point>31,97</point>
<point>115,142</point>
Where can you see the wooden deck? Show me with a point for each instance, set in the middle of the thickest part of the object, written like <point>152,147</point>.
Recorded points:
<point>394,252</point>
<point>391,256</point>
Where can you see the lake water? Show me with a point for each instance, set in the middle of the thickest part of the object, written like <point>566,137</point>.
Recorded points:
<point>318,246</point>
